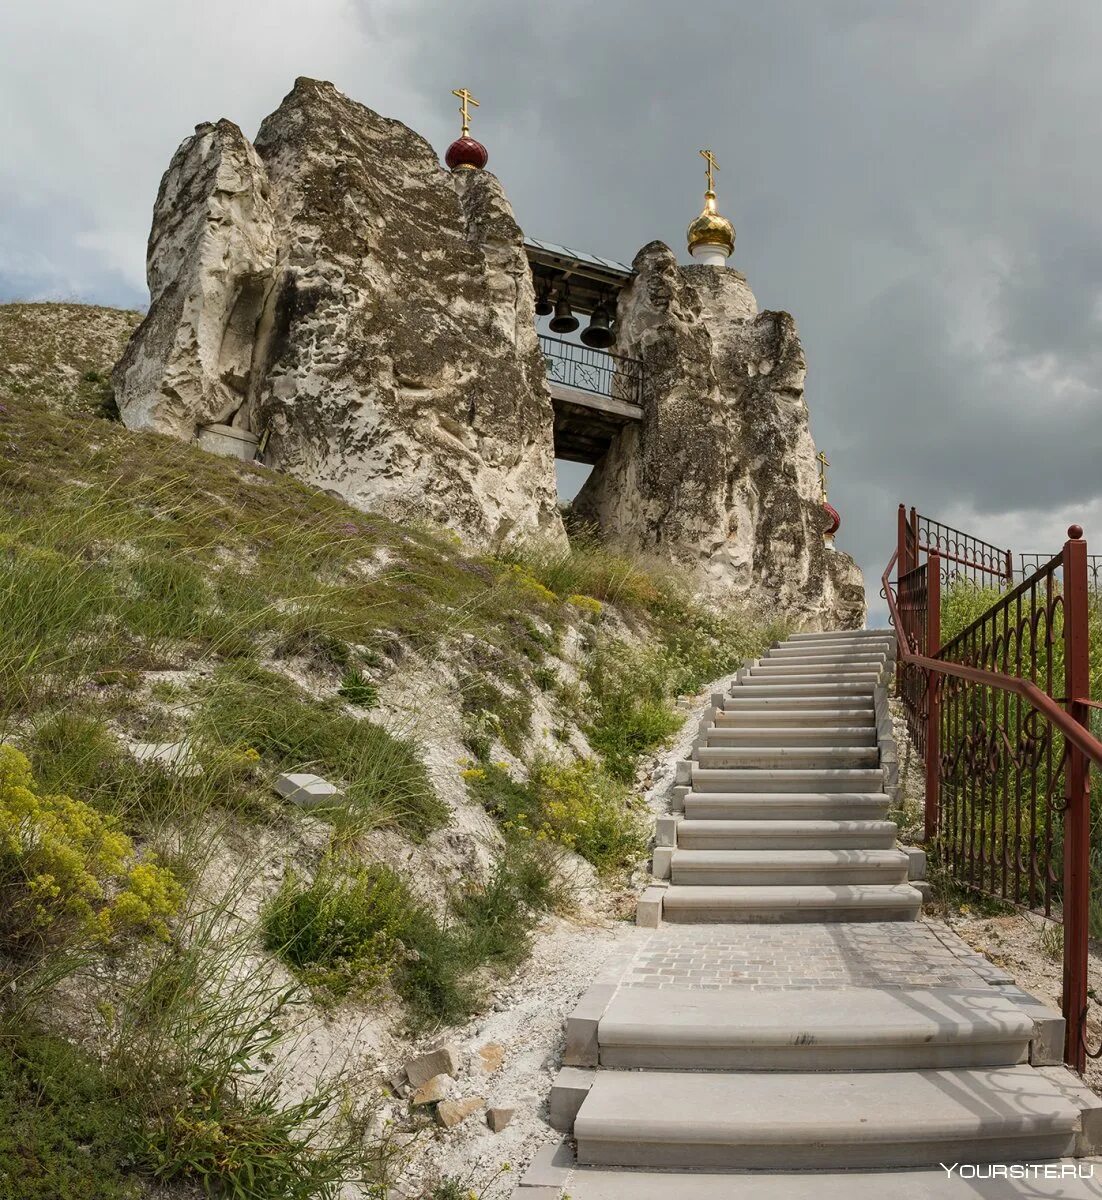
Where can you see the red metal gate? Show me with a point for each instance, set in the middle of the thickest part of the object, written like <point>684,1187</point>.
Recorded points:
<point>1001,716</point>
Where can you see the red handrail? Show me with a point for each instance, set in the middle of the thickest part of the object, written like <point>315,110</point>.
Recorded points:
<point>1068,726</point>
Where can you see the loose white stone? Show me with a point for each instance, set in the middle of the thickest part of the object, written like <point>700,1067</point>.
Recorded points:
<point>174,757</point>
<point>308,791</point>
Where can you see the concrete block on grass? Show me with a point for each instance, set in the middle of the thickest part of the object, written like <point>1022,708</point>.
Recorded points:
<point>661,862</point>
<point>176,758</point>
<point>308,791</point>
<point>677,797</point>
<point>568,1092</point>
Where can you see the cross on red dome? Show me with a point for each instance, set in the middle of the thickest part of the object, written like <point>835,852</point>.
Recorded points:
<point>466,153</point>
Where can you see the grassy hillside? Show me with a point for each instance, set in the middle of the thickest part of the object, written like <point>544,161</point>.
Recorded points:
<point>167,926</point>
<point>62,354</point>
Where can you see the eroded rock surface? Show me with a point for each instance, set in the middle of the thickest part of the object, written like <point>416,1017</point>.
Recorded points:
<point>720,474</point>
<point>211,257</point>
<point>336,288</point>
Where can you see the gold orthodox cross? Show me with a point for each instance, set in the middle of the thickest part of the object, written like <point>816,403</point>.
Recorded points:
<point>823,462</point>
<point>465,98</point>
<point>709,157</point>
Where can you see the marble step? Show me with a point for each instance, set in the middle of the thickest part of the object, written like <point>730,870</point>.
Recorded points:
<point>821,1121</point>
<point>875,656</point>
<point>812,1029</point>
<point>809,670</point>
<point>785,835</point>
<point>844,635</point>
<point>803,685</point>
<point>787,867</point>
<point>706,778</point>
<point>823,735</point>
<point>774,716</point>
<point>763,701</point>
<point>1059,1179</point>
<point>790,903</point>
<point>735,807</point>
<point>785,757</point>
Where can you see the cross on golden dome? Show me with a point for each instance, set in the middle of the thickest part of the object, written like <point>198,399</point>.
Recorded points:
<point>711,236</point>
<point>465,98</point>
<point>709,157</point>
<point>823,462</point>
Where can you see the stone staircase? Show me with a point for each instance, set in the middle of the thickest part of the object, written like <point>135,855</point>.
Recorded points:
<point>847,1039</point>
<point>785,799</point>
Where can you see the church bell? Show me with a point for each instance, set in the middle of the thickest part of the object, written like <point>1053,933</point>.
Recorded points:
<point>564,320</point>
<point>597,334</point>
<point>544,307</point>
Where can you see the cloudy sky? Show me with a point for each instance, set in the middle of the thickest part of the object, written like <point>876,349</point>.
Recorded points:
<point>918,181</point>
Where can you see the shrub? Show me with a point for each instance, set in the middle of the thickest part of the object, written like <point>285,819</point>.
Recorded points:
<point>189,1038</point>
<point>489,714</point>
<point>628,700</point>
<point>342,931</point>
<point>357,689</point>
<point>587,568</point>
<point>586,604</point>
<point>352,930</point>
<point>576,805</point>
<point>583,809</point>
<point>66,871</point>
<point>63,1130</point>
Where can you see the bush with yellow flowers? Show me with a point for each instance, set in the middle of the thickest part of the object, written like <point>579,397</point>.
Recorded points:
<point>67,871</point>
<point>576,805</point>
<point>586,604</point>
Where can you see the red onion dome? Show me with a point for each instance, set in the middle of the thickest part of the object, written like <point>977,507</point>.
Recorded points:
<point>833,519</point>
<point>466,154</point>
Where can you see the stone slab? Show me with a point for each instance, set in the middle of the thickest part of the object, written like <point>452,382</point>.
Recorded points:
<point>1063,1179</point>
<point>308,791</point>
<point>571,1086</point>
<point>786,1121</point>
<point>581,1026</point>
<point>648,908</point>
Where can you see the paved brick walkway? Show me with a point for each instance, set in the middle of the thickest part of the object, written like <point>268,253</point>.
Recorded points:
<point>873,954</point>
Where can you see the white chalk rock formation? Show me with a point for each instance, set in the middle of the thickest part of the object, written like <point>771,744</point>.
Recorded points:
<point>720,474</point>
<point>369,311</point>
<point>212,252</point>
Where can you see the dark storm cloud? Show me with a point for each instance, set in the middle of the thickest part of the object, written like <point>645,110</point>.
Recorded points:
<point>917,183</point>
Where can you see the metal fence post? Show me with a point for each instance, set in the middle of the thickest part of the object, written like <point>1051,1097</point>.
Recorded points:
<point>933,696</point>
<point>902,566</point>
<point>1076,897</point>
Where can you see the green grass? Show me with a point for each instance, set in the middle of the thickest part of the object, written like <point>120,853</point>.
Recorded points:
<point>193,1040</point>
<point>576,805</point>
<point>383,777</point>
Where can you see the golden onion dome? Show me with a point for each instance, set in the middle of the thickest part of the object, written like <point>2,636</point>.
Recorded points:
<point>711,229</point>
